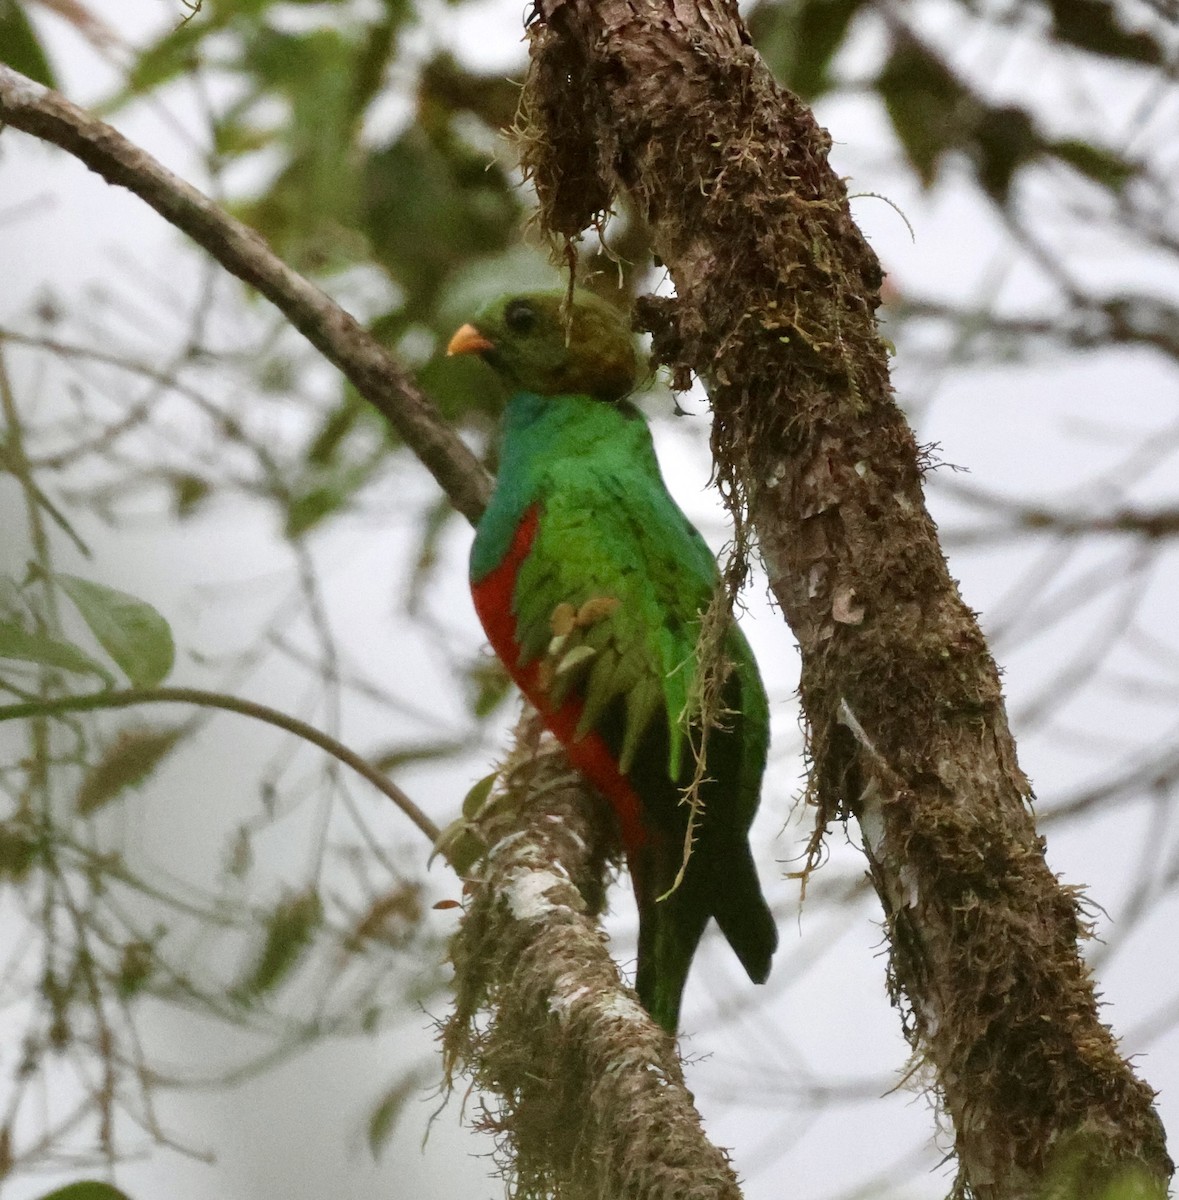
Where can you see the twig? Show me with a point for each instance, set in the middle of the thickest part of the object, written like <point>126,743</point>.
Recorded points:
<point>260,712</point>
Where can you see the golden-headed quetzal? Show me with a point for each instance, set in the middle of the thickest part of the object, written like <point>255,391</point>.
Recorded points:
<point>591,584</point>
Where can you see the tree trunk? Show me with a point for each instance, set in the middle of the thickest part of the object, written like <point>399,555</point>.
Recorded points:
<point>777,292</point>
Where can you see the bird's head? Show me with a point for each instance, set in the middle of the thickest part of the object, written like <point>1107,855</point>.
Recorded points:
<point>537,345</point>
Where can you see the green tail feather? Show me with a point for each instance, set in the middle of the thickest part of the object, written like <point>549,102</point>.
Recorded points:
<point>668,934</point>
<point>721,882</point>
<point>742,913</point>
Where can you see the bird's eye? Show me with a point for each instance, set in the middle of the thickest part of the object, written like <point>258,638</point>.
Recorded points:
<point>520,316</point>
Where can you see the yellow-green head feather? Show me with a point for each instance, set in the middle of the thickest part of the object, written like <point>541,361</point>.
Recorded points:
<point>539,344</point>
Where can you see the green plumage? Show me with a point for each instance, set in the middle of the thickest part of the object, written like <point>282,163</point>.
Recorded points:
<point>603,624</point>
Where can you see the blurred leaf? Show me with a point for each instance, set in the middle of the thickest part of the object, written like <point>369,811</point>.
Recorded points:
<point>462,386</point>
<point>290,930</point>
<point>127,762</point>
<point>1094,25</point>
<point>127,628</point>
<point>491,685</point>
<point>19,47</point>
<point>392,918</point>
<point>240,858</point>
<point>336,426</point>
<point>233,137</point>
<point>309,508</point>
<point>800,38</point>
<point>189,492</point>
<point>135,968</point>
<point>173,55</point>
<point>18,850</point>
<point>383,1121</point>
<point>11,599</point>
<point>311,209</point>
<point>400,756</point>
<point>449,85</point>
<point>18,643</point>
<point>437,520</point>
<point>376,51</point>
<point>1004,140</point>
<point>86,1189</point>
<point>1103,166</point>
<point>430,202</point>
<point>925,104</point>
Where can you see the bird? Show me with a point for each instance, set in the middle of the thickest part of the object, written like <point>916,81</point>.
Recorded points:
<point>591,584</point>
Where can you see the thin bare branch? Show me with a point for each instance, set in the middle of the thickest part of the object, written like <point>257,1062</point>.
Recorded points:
<point>248,708</point>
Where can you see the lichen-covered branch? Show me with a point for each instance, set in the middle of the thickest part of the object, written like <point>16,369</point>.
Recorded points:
<point>375,374</point>
<point>777,292</point>
<point>589,1099</point>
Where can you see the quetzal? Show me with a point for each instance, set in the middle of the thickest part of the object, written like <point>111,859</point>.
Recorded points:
<point>591,583</point>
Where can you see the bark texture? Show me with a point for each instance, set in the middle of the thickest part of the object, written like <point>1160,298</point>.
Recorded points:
<point>777,292</point>
<point>590,1096</point>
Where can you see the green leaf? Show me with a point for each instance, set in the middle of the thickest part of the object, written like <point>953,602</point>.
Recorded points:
<point>174,54</point>
<point>135,968</point>
<point>431,202</point>
<point>127,628</point>
<point>476,798</point>
<point>19,643</point>
<point>334,428</point>
<point>383,1121</point>
<point>461,845</point>
<point>232,138</point>
<point>800,39</point>
<point>1093,25</point>
<point>1004,139</point>
<point>19,847</point>
<point>309,509</point>
<point>310,210</point>
<point>87,1189</point>
<point>490,685</point>
<point>189,492</point>
<point>1103,166</point>
<point>928,107</point>
<point>415,752</point>
<point>19,47</point>
<point>126,763</point>
<point>290,930</point>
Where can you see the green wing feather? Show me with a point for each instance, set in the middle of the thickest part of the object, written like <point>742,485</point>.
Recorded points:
<point>616,535</point>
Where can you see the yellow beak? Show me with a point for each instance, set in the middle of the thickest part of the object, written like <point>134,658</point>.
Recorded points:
<point>468,340</point>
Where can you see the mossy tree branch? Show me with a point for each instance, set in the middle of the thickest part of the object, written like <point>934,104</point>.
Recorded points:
<point>777,292</point>
<point>590,1095</point>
